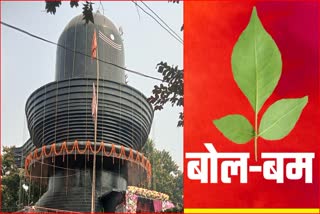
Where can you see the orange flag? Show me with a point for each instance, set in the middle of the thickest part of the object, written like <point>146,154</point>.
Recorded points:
<point>94,46</point>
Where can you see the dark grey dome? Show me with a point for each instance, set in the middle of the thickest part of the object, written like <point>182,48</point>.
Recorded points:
<point>75,61</point>
<point>99,19</point>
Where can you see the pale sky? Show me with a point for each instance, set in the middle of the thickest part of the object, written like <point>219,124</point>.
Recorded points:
<point>28,63</point>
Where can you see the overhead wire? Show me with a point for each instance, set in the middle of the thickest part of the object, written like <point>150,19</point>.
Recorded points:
<point>152,11</point>
<point>174,36</point>
<point>59,167</point>
<point>78,52</point>
<point>42,177</point>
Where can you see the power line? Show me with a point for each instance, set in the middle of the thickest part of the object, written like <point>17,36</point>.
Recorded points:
<point>174,36</point>
<point>78,52</point>
<point>45,177</point>
<point>47,164</point>
<point>161,20</point>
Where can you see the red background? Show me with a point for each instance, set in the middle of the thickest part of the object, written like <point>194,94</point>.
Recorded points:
<point>211,30</point>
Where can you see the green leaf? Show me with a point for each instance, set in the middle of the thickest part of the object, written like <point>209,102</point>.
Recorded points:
<point>256,63</point>
<point>281,117</point>
<point>87,12</point>
<point>51,6</point>
<point>236,128</point>
<point>74,3</point>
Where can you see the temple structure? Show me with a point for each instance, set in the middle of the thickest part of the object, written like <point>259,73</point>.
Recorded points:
<point>60,150</point>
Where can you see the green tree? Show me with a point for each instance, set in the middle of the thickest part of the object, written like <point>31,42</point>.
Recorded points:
<point>170,90</point>
<point>10,180</point>
<point>166,176</point>
<point>13,195</point>
<point>51,7</point>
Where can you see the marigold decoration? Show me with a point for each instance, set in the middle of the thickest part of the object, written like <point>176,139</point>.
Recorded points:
<point>131,204</point>
<point>51,150</point>
<point>150,194</point>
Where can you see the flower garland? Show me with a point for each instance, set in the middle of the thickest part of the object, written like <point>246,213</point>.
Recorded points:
<point>151,194</point>
<point>131,204</point>
<point>48,151</point>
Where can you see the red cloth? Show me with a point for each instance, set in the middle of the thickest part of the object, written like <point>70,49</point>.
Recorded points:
<point>157,205</point>
<point>94,46</point>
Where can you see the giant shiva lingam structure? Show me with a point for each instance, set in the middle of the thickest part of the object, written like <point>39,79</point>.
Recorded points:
<point>61,148</point>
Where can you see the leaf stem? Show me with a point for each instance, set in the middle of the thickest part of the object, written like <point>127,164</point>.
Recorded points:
<point>256,136</point>
<point>256,147</point>
<point>256,110</point>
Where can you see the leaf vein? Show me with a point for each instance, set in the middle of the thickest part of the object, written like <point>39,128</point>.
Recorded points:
<point>272,125</point>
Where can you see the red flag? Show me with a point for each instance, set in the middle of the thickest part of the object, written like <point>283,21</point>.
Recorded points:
<point>94,46</point>
<point>94,102</point>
